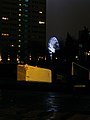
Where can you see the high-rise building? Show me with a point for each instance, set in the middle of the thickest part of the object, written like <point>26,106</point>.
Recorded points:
<point>22,30</point>
<point>84,46</point>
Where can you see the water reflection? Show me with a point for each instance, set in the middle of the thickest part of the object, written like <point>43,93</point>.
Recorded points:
<point>51,102</point>
<point>41,105</point>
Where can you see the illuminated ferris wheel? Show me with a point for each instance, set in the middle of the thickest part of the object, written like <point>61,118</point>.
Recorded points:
<point>53,45</point>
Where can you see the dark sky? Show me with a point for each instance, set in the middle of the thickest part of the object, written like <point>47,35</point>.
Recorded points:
<point>67,16</point>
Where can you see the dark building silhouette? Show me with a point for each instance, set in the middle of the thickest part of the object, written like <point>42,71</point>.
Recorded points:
<point>84,46</point>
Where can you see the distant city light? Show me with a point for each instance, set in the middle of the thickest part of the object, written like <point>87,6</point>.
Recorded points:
<point>0,58</point>
<point>30,57</point>
<point>19,25</point>
<point>40,12</point>
<point>17,59</point>
<point>12,45</point>
<point>20,9</point>
<point>19,29</point>
<point>45,58</point>
<point>41,22</point>
<point>20,15</point>
<point>4,18</point>
<point>76,56</point>
<point>19,40</point>
<point>5,34</point>
<point>19,19</point>
<point>19,45</point>
<point>20,4</point>
<point>8,58</point>
<point>88,53</point>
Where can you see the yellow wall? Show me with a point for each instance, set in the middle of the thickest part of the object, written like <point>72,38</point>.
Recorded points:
<point>34,74</point>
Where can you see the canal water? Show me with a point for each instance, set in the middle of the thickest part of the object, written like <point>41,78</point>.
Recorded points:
<point>36,105</point>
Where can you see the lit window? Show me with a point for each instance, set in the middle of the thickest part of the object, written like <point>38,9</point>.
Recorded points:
<point>19,19</point>
<point>20,9</point>
<point>19,14</point>
<point>88,53</point>
<point>45,58</point>
<point>17,59</point>
<point>19,30</point>
<point>12,45</point>
<point>40,12</point>
<point>19,25</point>
<point>4,18</point>
<point>30,58</point>
<point>5,34</point>
<point>19,40</point>
<point>20,4</point>
<point>41,22</point>
<point>19,35</point>
<point>19,45</point>
<point>8,58</point>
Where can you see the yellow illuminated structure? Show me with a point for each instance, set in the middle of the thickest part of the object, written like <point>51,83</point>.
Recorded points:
<point>33,74</point>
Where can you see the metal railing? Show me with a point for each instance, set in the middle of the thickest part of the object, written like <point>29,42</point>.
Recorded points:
<point>81,67</point>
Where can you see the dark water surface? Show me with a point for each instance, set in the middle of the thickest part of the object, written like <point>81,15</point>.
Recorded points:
<point>32,105</point>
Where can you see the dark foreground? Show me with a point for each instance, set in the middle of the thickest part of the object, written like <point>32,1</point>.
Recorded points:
<point>36,105</point>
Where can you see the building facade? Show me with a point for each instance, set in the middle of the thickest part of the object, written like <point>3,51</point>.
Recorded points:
<point>23,30</point>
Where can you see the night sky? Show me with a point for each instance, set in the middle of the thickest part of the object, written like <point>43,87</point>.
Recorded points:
<point>67,16</point>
